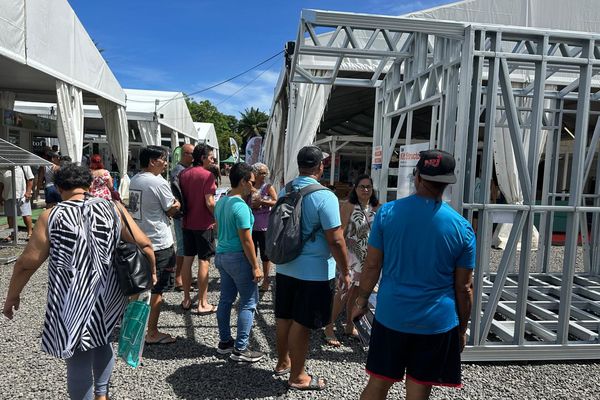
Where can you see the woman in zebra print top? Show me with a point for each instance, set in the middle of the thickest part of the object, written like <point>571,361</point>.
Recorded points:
<point>79,237</point>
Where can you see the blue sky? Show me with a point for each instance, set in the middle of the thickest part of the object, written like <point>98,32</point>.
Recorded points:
<point>188,45</point>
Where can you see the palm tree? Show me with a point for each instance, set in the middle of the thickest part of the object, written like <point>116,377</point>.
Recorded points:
<point>253,122</point>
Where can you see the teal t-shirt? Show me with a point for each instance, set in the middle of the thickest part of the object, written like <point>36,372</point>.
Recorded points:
<point>423,242</point>
<point>232,214</point>
<point>320,209</point>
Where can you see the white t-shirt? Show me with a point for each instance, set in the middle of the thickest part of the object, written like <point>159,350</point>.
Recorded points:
<point>150,198</point>
<point>22,175</point>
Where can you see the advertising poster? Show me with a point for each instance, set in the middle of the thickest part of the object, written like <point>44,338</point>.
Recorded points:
<point>253,150</point>
<point>377,158</point>
<point>235,153</point>
<point>407,161</point>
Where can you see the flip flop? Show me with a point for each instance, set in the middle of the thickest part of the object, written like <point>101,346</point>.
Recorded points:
<point>312,385</point>
<point>164,338</point>
<point>332,341</point>
<point>283,372</point>
<point>6,240</point>
<point>202,313</point>
<point>186,308</point>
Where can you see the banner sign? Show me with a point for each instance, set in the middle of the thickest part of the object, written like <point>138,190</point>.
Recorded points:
<point>407,161</point>
<point>235,153</point>
<point>377,158</point>
<point>253,150</point>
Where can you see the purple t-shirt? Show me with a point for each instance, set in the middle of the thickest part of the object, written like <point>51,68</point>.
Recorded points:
<point>261,214</point>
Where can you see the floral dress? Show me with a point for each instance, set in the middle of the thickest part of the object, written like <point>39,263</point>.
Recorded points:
<point>357,238</point>
<point>99,187</point>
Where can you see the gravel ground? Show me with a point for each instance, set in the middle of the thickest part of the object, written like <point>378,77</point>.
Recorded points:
<point>191,369</point>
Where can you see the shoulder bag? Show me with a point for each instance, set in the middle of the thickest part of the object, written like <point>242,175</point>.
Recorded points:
<point>134,271</point>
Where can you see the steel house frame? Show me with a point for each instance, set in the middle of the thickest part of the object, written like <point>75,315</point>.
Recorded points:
<point>466,74</point>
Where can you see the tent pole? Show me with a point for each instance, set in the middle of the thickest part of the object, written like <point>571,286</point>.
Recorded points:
<point>14,205</point>
<point>332,169</point>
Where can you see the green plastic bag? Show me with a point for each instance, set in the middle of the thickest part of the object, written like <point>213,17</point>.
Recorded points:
<point>133,331</point>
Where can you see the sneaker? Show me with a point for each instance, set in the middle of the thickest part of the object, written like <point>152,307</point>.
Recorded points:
<point>225,347</point>
<point>246,355</point>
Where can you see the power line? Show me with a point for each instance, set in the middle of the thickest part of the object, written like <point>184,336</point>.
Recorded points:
<point>215,85</point>
<point>245,86</point>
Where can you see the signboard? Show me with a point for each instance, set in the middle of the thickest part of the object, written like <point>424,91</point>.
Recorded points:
<point>407,161</point>
<point>235,153</point>
<point>377,158</point>
<point>253,150</point>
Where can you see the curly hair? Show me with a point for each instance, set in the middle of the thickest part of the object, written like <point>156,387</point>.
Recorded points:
<point>73,176</point>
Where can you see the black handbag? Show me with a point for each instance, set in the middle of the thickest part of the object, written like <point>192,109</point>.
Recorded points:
<point>133,267</point>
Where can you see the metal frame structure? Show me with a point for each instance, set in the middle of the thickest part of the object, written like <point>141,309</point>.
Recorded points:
<point>477,79</point>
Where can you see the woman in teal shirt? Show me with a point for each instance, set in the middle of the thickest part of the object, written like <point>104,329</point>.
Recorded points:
<point>237,264</point>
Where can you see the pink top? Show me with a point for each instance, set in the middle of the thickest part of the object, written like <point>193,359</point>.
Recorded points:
<point>197,182</point>
<point>99,187</point>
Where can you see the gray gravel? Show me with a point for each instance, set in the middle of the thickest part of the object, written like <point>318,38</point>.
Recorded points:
<point>191,369</point>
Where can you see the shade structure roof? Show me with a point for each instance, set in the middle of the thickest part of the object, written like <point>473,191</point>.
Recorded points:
<point>42,41</point>
<point>207,134</point>
<point>14,156</point>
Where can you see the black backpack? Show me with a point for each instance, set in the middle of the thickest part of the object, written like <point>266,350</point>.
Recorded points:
<point>284,241</point>
<point>178,194</point>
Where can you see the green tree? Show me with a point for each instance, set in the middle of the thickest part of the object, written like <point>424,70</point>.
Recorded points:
<point>226,126</point>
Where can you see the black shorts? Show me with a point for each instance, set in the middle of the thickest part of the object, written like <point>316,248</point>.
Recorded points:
<point>259,238</point>
<point>165,270</point>
<point>309,303</point>
<point>199,243</point>
<point>426,359</point>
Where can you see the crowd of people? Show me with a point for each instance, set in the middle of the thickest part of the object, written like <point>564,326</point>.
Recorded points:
<point>418,250</point>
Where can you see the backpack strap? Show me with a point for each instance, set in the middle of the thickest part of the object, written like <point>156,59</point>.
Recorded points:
<point>306,190</point>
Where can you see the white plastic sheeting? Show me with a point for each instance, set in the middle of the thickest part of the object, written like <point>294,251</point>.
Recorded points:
<point>47,35</point>
<point>150,132</point>
<point>7,100</point>
<point>115,121</point>
<point>274,140</point>
<point>69,122</point>
<point>207,134</point>
<point>170,108</point>
<point>572,15</point>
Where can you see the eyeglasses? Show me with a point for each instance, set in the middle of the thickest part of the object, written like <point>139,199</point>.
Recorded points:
<point>365,187</point>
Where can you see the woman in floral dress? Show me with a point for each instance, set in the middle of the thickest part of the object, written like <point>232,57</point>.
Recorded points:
<point>357,216</point>
<point>102,181</point>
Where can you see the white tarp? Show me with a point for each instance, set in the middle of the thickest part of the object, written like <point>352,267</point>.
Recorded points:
<point>273,142</point>
<point>207,134</point>
<point>69,122</point>
<point>47,36</point>
<point>150,132</point>
<point>115,121</point>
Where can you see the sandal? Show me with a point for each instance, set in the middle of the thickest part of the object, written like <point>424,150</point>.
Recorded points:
<point>163,338</point>
<point>189,306</point>
<point>312,385</point>
<point>212,310</point>
<point>331,341</point>
<point>282,372</point>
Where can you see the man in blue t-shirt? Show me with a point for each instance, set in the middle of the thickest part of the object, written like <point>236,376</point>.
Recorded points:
<point>305,286</point>
<point>425,253</point>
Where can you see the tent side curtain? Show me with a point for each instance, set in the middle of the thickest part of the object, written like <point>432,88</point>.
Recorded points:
<point>149,132</point>
<point>69,126</point>
<point>115,120</point>
<point>307,105</point>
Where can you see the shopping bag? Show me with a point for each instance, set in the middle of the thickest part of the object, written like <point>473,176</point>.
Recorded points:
<point>133,330</point>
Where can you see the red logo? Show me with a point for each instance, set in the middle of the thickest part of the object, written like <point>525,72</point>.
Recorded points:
<point>434,162</point>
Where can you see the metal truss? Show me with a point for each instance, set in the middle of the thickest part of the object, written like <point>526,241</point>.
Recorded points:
<point>478,79</point>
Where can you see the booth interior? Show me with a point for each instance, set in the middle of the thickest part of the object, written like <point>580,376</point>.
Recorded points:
<point>517,104</point>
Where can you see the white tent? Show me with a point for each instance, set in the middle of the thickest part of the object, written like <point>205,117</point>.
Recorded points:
<point>46,55</point>
<point>207,134</point>
<point>304,115</point>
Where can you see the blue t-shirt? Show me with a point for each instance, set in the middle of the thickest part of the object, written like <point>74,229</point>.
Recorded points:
<point>422,242</point>
<point>319,209</point>
<point>232,214</point>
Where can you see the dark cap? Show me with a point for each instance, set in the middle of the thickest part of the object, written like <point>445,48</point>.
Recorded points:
<point>310,157</point>
<point>436,166</point>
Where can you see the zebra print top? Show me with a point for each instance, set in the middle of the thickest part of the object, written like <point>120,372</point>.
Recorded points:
<point>84,300</point>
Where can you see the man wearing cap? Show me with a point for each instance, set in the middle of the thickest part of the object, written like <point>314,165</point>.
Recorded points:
<point>305,286</point>
<point>425,252</point>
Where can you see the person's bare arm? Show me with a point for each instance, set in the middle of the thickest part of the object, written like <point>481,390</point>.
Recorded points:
<point>174,208</point>
<point>248,246</point>
<point>210,202</point>
<point>368,279</point>
<point>41,175</point>
<point>345,213</point>
<point>139,237</point>
<point>28,188</point>
<point>273,198</point>
<point>34,255</point>
<point>463,291</point>
<point>337,245</point>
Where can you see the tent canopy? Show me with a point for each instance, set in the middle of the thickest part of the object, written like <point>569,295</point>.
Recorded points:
<point>42,41</point>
